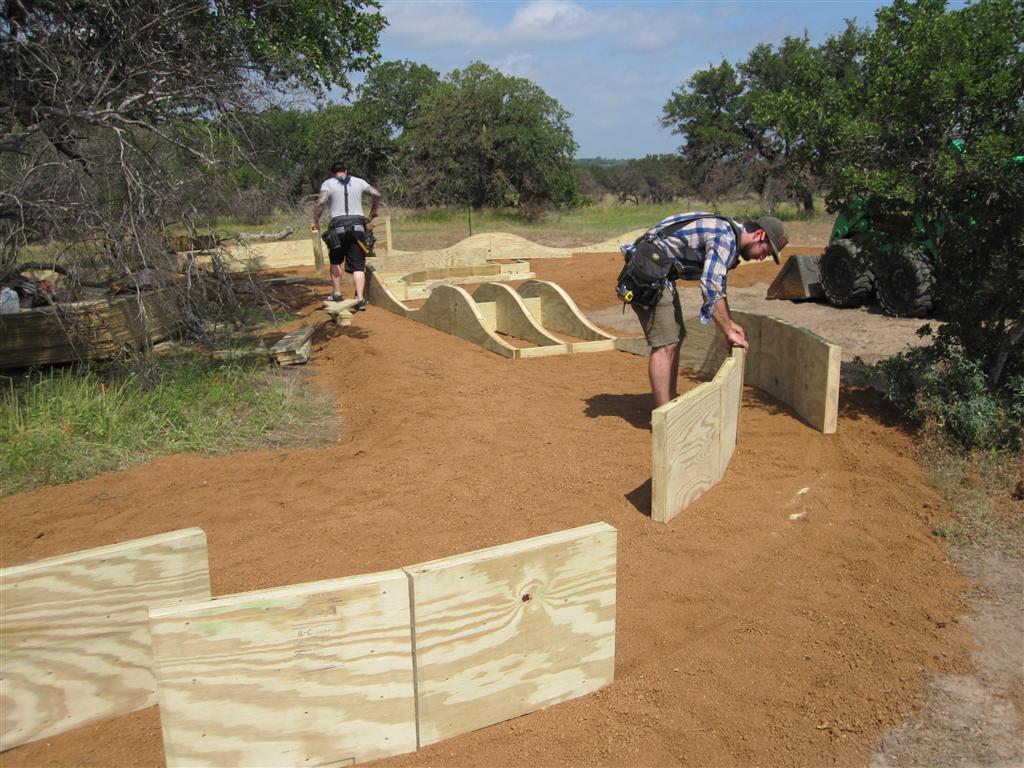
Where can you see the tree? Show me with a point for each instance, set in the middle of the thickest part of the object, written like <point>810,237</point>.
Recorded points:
<point>932,77</point>
<point>113,108</point>
<point>484,138</point>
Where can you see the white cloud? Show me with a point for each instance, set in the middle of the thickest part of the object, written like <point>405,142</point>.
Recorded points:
<point>436,24</point>
<point>519,65</point>
<point>553,21</point>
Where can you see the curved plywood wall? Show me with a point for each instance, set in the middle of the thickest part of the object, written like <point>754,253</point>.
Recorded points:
<point>790,363</point>
<point>693,436</point>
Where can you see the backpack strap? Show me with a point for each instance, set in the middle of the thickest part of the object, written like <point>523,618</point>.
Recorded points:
<point>674,227</point>
<point>344,186</point>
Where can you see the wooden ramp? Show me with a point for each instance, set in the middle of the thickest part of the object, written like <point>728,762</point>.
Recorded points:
<point>790,363</point>
<point>537,320</point>
<point>75,643</point>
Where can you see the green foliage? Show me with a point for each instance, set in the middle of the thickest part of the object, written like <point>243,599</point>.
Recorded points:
<point>73,423</point>
<point>947,391</point>
<point>484,138</point>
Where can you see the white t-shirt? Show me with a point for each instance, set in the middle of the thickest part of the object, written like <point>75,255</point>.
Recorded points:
<point>334,191</point>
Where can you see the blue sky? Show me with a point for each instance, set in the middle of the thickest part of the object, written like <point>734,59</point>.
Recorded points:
<point>612,64</point>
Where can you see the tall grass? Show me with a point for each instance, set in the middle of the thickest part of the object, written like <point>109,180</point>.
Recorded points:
<point>72,423</point>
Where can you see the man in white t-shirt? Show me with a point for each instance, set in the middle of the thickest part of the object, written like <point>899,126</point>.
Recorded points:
<point>343,196</point>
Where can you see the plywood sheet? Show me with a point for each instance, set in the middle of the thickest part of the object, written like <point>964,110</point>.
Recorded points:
<point>452,310</point>
<point>802,370</point>
<point>559,312</point>
<point>508,630</point>
<point>75,644</point>
<point>513,317</point>
<point>311,675</point>
<point>686,450</point>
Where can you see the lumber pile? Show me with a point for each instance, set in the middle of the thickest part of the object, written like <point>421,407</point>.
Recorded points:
<point>294,347</point>
<point>85,330</point>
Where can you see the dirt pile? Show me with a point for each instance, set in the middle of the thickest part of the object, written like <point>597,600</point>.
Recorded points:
<point>788,617</point>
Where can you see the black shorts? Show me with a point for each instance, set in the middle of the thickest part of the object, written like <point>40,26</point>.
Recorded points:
<point>351,252</point>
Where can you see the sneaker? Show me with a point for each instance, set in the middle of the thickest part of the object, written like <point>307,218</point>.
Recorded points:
<point>360,305</point>
<point>335,297</point>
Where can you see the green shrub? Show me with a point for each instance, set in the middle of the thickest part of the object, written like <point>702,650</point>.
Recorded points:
<point>946,391</point>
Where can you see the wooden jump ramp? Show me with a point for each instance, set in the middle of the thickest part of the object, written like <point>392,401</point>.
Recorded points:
<point>328,673</point>
<point>536,320</point>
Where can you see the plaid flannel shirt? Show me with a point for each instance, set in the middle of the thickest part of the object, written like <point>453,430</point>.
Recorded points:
<point>705,250</point>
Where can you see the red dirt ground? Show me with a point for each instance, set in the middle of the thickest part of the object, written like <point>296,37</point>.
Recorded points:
<point>788,617</point>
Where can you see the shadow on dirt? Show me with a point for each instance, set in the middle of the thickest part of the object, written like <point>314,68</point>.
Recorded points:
<point>640,498</point>
<point>632,408</point>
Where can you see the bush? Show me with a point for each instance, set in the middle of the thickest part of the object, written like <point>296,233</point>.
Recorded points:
<point>946,391</point>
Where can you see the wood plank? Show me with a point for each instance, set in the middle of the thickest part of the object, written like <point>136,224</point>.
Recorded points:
<point>729,380</point>
<point>316,674</point>
<point>685,450</point>
<point>801,369</point>
<point>75,644</point>
<point>513,318</point>
<point>508,630</point>
<point>380,295</point>
<point>559,312</point>
<point>294,346</point>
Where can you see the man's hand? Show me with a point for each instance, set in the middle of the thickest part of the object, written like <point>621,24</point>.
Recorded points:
<point>314,226</point>
<point>736,337</point>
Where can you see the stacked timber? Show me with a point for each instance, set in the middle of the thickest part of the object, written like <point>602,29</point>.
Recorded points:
<point>294,347</point>
<point>86,330</point>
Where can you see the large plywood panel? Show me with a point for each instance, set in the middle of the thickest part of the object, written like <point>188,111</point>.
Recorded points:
<point>508,630</point>
<point>686,450</point>
<point>311,675</point>
<point>802,370</point>
<point>74,633</point>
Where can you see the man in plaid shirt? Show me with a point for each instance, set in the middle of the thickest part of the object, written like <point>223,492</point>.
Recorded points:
<point>705,247</point>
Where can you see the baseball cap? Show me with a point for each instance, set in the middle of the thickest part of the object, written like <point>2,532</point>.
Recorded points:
<point>776,231</point>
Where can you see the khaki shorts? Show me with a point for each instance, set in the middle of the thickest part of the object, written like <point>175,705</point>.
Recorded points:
<point>663,324</point>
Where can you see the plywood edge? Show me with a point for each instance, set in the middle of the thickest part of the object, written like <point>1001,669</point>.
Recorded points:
<point>183,534</point>
<point>601,345</point>
<point>274,593</point>
<point>378,294</point>
<point>503,550</point>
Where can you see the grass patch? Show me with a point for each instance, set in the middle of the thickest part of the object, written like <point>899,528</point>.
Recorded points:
<point>72,423</point>
<point>979,489</point>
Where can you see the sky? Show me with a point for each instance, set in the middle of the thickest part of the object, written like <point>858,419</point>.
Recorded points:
<point>612,64</point>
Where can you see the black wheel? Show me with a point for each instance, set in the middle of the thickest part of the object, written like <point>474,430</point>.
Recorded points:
<point>905,284</point>
<point>844,280</point>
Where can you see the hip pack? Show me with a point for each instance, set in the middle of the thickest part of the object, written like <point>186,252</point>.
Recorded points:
<point>643,278</point>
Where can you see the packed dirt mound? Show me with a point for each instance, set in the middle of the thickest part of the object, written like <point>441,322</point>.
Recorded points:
<point>788,617</point>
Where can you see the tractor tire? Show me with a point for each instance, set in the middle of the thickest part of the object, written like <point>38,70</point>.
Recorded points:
<point>906,283</point>
<point>845,282</point>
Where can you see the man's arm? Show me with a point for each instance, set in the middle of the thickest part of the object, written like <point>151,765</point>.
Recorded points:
<point>318,208</point>
<point>375,198</point>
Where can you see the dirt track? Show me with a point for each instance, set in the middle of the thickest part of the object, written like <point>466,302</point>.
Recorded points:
<point>788,617</point>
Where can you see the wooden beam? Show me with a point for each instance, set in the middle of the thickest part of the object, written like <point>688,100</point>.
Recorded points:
<point>316,674</point>
<point>74,635</point>
<point>508,630</point>
<point>294,347</point>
